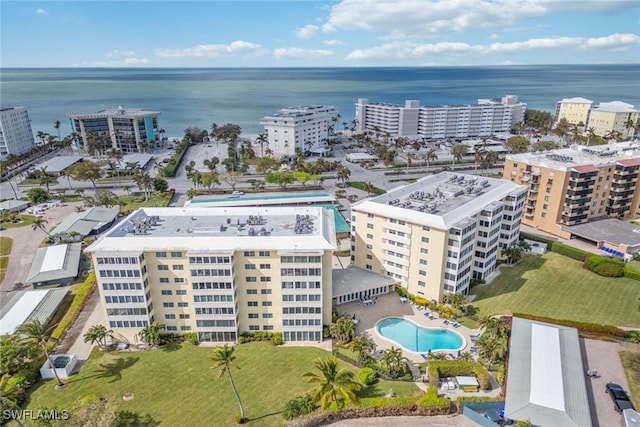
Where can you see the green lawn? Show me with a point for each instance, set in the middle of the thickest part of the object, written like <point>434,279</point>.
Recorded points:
<point>5,245</point>
<point>26,220</point>
<point>555,286</point>
<point>180,387</point>
<point>136,200</point>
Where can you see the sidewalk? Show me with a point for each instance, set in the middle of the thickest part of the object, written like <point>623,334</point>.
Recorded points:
<point>91,315</point>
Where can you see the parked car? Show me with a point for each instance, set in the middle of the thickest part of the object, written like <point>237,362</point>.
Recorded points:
<point>237,193</point>
<point>620,397</point>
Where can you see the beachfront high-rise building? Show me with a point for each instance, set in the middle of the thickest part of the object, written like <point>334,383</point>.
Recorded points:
<point>411,120</point>
<point>573,185</point>
<point>574,110</point>
<point>608,118</point>
<point>438,233</point>
<point>16,136</point>
<point>130,130</point>
<point>218,272</point>
<point>298,127</point>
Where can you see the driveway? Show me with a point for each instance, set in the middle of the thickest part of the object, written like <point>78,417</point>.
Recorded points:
<point>603,356</point>
<point>25,242</point>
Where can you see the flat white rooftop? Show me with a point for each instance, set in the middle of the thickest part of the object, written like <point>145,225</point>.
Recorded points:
<point>222,228</point>
<point>566,159</point>
<point>440,200</point>
<point>54,258</point>
<point>21,311</point>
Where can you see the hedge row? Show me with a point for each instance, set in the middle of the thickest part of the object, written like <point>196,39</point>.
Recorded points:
<point>630,273</point>
<point>569,251</point>
<point>79,300</point>
<point>453,368</point>
<point>174,163</point>
<point>536,238</point>
<point>375,407</point>
<point>582,327</point>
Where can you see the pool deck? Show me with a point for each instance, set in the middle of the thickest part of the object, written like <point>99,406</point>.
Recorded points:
<point>390,306</point>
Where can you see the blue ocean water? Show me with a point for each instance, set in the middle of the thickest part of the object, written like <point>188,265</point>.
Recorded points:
<point>200,97</point>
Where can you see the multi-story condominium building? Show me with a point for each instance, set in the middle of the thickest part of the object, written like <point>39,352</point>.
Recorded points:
<point>438,233</point>
<point>298,127</point>
<point>572,185</point>
<point>129,130</point>
<point>613,117</point>
<point>574,110</point>
<point>411,120</point>
<point>16,136</point>
<point>218,271</point>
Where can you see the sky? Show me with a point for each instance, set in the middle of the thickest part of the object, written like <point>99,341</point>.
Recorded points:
<point>348,33</point>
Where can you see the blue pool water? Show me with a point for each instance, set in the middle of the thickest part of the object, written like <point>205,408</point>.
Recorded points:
<point>418,339</point>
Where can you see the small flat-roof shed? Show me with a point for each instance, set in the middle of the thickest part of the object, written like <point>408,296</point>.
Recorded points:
<point>56,264</point>
<point>354,283</point>
<point>26,306</point>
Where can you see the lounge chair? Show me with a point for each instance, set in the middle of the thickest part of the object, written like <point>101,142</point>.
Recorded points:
<point>452,356</point>
<point>445,321</point>
<point>424,356</point>
<point>455,324</point>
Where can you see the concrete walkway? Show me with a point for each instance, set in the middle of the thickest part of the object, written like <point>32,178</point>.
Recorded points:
<point>74,341</point>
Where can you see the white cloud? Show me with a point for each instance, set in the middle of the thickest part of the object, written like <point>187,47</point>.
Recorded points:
<point>121,53</point>
<point>411,50</point>
<point>415,18</point>
<point>333,42</point>
<point>212,50</point>
<point>296,52</point>
<point>307,31</point>
<point>41,11</point>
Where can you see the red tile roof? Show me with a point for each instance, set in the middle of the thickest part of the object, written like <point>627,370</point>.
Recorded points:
<point>585,168</point>
<point>629,162</point>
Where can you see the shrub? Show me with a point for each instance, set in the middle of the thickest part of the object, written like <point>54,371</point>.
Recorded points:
<point>299,406</point>
<point>276,339</point>
<point>475,282</point>
<point>501,374</point>
<point>609,269</point>
<point>431,398</point>
<point>536,238</point>
<point>190,337</point>
<point>367,376</point>
<point>569,251</point>
<point>633,336</point>
<point>594,260</point>
<point>453,368</point>
<point>630,273</point>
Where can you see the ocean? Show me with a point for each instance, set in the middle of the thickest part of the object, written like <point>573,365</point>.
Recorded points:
<point>199,97</point>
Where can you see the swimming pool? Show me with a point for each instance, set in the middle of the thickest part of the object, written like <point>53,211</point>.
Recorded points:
<point>416,338</point>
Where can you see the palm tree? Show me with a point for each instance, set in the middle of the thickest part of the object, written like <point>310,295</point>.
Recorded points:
<point>37,333</point>
<point>368,187</point>
<point>629,125</point>
<point>39,223</point>
<point>98,334</point>
<point>430,155</point>
<point>458,151</point>
<point>456,300</point>
<point>223,359</point>
<point>9,396</point>
<point>56,126</point>
<point>151,334</point>
<point>393,361</point>
<point>332,384</point>
<point>362,346</point>
<point>591,134</point>
<point>262,140</point>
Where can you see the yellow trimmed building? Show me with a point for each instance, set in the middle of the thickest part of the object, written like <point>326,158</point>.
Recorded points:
<point>574,110</point>
<point>613,117</point>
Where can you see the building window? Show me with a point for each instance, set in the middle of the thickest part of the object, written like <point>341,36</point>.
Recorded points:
<point>183,304</point>
<point>164,280</point>
<point>423,262</point>
<point>253,315</point>
<point>543,214</point>
<point>179,280</point>
<point>265,266</point>
<point>254,327</point>
<point>265,279</point>
<point>425,240</point>
<point>369,236</point>
<point>185,328</point>
<point>185,316</point>
<point>369,256</point>
<point>421,283</point>
<point>167,304</point>
<point>163,267</point>
<point>161,254</point>
<point>422,272</point>
<point>265,291</point>
<point>252,292</point>
<point>264,253</point>
<point>172,328</point>
<point>166,292</point>
<point>249,266</point>
<point>249,253</point>
<point>370,226</point>
<point>170,316</point>
<point>267,315</point>
<point>546,198</point>
<point>267,303</point>
<point>251,279</point>
<point>176,254</point>
<point>369,215</point>
<point>181,292</point>
<point>369,267</point>
<point>424,250</point>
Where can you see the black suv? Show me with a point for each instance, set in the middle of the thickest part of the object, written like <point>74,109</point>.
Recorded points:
<point>619,396</point>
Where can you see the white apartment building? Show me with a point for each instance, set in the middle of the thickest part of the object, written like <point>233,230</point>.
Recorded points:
<point>218,272</point>
<point>298,127</point>
<point>130,130</point>
<point>574,110</point>
<point>438,233</point>
<point>16,135</point>
<point>411,120</point>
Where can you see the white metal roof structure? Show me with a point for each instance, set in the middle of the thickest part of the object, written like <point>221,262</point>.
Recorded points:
<point>226,228</point>
<point>59,163</point>
<point>13,205</point>
<point>441,200</point>
<point>55,263</point>
<point>25,306</point>
<point>354,279</point>
<point>142,159</point>
<point>85,222</point>
<point>546,379</point>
